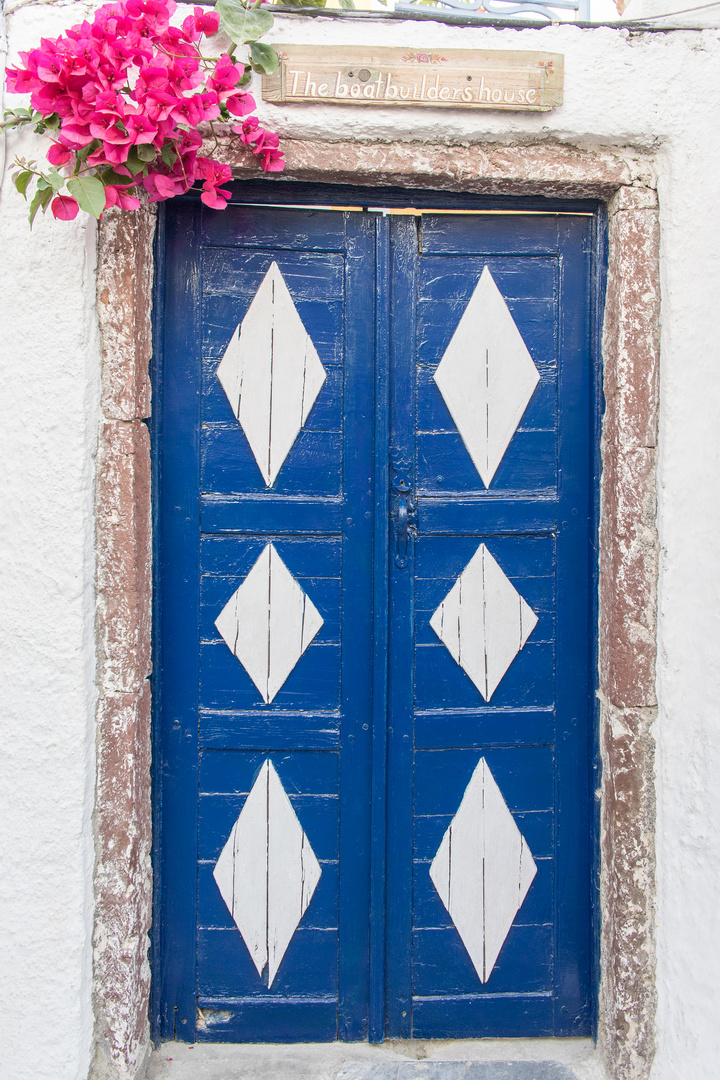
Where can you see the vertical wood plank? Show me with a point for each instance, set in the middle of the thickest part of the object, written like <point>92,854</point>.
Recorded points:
<point>255,396</point>
<point>357,657</point>
<point>176,435</point>
<point>381,528</point>
<point>403,333</point>
<point>483,870</point>
<point>236,871</point>
<point>292,872</point>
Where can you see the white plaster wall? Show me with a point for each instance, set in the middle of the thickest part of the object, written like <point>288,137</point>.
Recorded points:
<point>48,421</point>
<point>48,406</point>
<point>657,92</point>
<point>672,12</point>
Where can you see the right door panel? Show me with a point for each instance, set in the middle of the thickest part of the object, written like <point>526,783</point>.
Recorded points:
<point>489,873</point>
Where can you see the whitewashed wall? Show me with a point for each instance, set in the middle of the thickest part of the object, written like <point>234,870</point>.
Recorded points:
<point>49,384</point>
<point>657,92</point>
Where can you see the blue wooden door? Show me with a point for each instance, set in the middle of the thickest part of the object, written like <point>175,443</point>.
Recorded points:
<point>374,440</point>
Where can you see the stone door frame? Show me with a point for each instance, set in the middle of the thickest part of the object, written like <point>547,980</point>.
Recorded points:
<point>628,556</point>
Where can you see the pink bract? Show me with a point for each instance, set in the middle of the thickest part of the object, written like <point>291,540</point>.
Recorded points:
<point>117,196</point>
<point>59,155</point>
<point>128,86</point>
<point>64,207</point>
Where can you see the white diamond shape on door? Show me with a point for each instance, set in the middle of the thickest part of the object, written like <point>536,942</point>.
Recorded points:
<point>486,377</point>
<point>484,622</point>
<point>268,623</point>
<point>271,373</point>
<point>483,870</point>
<point>267,872</point>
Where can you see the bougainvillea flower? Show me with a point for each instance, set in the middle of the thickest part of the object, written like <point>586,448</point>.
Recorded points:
<point>201,22</point>
<point>59,155</point>
<point>21,80</point>
<point>118,196</point>
<point>265,140</point>
<point>155,13</point>
<point>240,104</point>
<point>272,160</point>
<point>151,78</point>
<point>159,186</point>
<point>77,134</point>
<point>216,198</point>
<point>247,129</point>
<point>128,80</point>
<point>51,98</point>
<point>195,109</point>
<point>226,75</point>
<point>213,172</point>
<point>64,207</point>
<point>109,127</point>
<point>141,129</point>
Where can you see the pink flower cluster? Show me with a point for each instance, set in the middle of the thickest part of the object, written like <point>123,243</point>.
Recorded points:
<point>124,95</point>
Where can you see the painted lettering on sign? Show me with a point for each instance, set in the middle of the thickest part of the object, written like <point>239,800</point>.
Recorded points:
<point>463,79</point>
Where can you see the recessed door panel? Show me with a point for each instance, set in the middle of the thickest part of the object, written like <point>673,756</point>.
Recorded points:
<point>375,443</point>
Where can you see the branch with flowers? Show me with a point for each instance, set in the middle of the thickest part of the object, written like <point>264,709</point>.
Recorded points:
<point>121,99</point>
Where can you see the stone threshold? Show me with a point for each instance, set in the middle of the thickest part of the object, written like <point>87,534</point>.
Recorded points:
<point>492,1059</point>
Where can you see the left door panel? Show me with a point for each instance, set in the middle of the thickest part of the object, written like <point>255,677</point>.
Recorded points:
<point>264,445</point>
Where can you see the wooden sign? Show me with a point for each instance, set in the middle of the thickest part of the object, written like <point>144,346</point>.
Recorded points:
<point>453,79</point>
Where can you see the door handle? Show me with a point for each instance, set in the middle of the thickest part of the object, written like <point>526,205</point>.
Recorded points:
<point>405,526</point>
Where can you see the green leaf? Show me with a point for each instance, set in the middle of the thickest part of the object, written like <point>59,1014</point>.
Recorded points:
<point>168,154</point>
<point>52,122</point>
<point>133,163</point>
<point>89,192</point>
<point>243,24</point>
<point>52,180</point>
<point>55,180</point>
<point>246,77</point>
<point>21,181</point>
<point>349,5</point>
<point>146,152</point>
<point>16,118</point>
<point>21,115</point>
<point>41,199</point>
<point>111,177</point>
<point>263,58</point>
<point>85,151</point>
<point>304,3</point>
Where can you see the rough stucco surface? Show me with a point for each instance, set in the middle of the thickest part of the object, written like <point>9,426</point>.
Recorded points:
<point>490,170</point>
<point>48,432</point>
<point>658,94</point>
<point>627,643</point>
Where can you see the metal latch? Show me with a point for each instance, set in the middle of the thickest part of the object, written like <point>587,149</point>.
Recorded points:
<point>405,521</point>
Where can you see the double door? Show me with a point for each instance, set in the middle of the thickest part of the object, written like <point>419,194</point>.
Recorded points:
<point>374,440</point>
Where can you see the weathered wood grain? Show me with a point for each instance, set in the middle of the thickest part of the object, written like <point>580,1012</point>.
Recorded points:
<point>511,80</point>
<point>484,622</point>
<point>483,870</point>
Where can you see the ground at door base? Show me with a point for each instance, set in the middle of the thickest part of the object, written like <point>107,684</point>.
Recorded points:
<point>497,1059</point>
